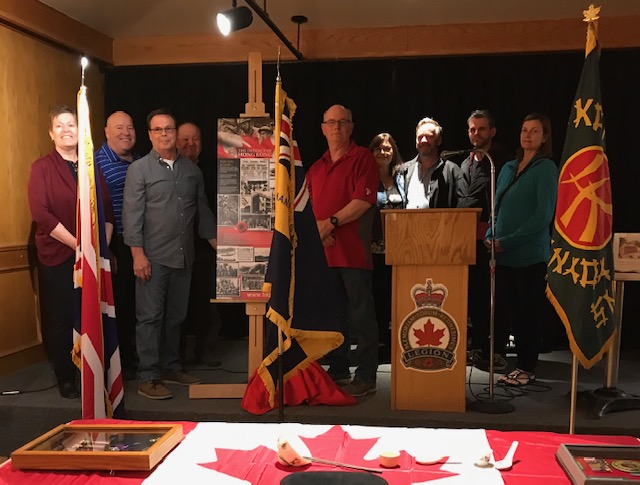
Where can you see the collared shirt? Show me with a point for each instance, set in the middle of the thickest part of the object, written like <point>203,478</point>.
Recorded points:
<point>114,170</point>
<point>419,190</point>
<point>332,185</point>
<point>439,186</point>
<point>160,206</point>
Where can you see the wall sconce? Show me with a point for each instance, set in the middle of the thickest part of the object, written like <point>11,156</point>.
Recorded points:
<point>236,18</point>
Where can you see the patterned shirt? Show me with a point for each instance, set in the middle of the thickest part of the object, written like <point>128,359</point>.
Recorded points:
<point>114,170</point>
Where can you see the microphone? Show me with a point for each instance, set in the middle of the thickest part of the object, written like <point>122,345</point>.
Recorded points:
<point>456,153</point>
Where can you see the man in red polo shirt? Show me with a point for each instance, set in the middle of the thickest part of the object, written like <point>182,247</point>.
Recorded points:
<point>343,186</point>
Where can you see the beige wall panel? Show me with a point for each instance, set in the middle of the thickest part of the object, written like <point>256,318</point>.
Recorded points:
<point>39,77</point>
<point>18,303</point>
<point>34,76</point>
<point>34,16</point>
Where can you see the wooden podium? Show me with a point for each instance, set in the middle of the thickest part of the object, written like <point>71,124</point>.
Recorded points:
<point>430,250</point>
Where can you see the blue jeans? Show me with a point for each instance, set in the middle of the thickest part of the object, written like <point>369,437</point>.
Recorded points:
<point>358,319</point>
<point>161,307</point>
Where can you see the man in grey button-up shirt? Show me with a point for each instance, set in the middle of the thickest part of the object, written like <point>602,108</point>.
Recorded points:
<point>163,191</point>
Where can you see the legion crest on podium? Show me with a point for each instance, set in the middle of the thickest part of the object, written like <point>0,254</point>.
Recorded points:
<point>428,335</point>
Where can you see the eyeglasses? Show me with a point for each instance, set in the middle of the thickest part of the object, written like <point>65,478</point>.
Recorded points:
<point>338,123</point>
<point>159,131</point>
<point>383,150</point>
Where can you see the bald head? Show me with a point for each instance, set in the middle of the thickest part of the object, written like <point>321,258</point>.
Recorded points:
<point>120,133</point>
<point>189,141</point>
<point>337,127</point>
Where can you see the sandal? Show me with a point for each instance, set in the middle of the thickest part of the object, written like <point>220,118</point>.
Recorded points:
<point>517,378</point>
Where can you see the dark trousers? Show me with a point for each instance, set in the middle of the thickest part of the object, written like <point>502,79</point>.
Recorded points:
<point>124,294</point>
<point>521,303</point>
<point>382,298</point>
<point>480,299</point>
<point>359,321</point>
<point>57,313</point>
<point>203,318</point>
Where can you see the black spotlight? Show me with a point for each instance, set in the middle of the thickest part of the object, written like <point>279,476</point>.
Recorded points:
<point>236,18</point>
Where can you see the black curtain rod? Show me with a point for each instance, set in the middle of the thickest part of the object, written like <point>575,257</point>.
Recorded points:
<point>267,20</point>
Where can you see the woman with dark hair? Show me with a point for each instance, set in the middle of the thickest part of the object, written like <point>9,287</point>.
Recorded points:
<point>391,195</point>
<point>52,192</point>
<point>525,203</point>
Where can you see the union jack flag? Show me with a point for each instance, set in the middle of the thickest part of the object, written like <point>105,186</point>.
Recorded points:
<point>302,303</point>
<point>95,351</point>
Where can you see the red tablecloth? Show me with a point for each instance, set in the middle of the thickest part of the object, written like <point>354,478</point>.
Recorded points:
<point>535,462</point>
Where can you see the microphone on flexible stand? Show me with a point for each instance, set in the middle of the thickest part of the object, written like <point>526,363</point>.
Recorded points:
<point>455,153</point>
<point>491,405</point>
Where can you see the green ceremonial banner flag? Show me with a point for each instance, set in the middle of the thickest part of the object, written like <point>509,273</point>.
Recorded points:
<point>580,270</point>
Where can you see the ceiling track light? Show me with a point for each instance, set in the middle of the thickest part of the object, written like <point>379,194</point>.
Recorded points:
<point>267,20</point>
<point>236,18</point>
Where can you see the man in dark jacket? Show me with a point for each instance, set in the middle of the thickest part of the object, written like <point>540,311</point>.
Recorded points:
<point>430,181</point>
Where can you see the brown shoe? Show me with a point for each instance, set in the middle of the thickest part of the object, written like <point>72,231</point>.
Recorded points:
<point>359,388</point>
<point>154,390</point>
<point>182,378</point>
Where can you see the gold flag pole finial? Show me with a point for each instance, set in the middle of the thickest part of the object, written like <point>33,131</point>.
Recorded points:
<point>591,16</point>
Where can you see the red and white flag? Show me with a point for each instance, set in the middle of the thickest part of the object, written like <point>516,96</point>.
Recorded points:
<point>95,349</point>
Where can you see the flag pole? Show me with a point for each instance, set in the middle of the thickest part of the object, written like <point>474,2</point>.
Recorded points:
<point>84,62</point>
<point>574,394</point>
<point>278,110</point>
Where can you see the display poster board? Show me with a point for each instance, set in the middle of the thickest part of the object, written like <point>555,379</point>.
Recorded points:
<point>626,252</point>
<point>246,181</point>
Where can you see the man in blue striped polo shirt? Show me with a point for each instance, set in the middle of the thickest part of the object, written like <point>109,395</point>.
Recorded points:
<point>114,158</point>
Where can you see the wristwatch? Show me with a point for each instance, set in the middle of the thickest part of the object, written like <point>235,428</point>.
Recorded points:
<point>334,220</point>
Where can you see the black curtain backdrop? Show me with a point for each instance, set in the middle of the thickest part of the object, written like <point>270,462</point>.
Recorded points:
<point>393,94</point>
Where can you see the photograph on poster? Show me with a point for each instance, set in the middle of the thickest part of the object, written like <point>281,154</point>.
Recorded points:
<point>226,253</point>
<point>242,137</point>
<point>227,287</point>
<point>245,204</point>
<point>261,204</point>
<point>227,269</point>
<point>626,252</point>
<point>253,269</point>
<point>252,283</point>
<point>227,210</point>
<point>256,222</point>
<point>261,255</point>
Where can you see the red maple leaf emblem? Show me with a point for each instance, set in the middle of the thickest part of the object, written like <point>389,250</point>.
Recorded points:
<point>260,464</point>
<point>428,336</point>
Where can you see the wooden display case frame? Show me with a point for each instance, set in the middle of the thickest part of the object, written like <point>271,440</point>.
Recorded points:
<point>99,447</point>
<point>576,461</point>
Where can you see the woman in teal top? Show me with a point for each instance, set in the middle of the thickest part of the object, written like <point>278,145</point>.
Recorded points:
<point>525,203</point>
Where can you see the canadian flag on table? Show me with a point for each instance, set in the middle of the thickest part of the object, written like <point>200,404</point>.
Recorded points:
<point>95,350</point>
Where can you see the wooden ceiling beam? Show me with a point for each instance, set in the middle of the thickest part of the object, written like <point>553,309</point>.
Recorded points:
<point>384,42</point>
